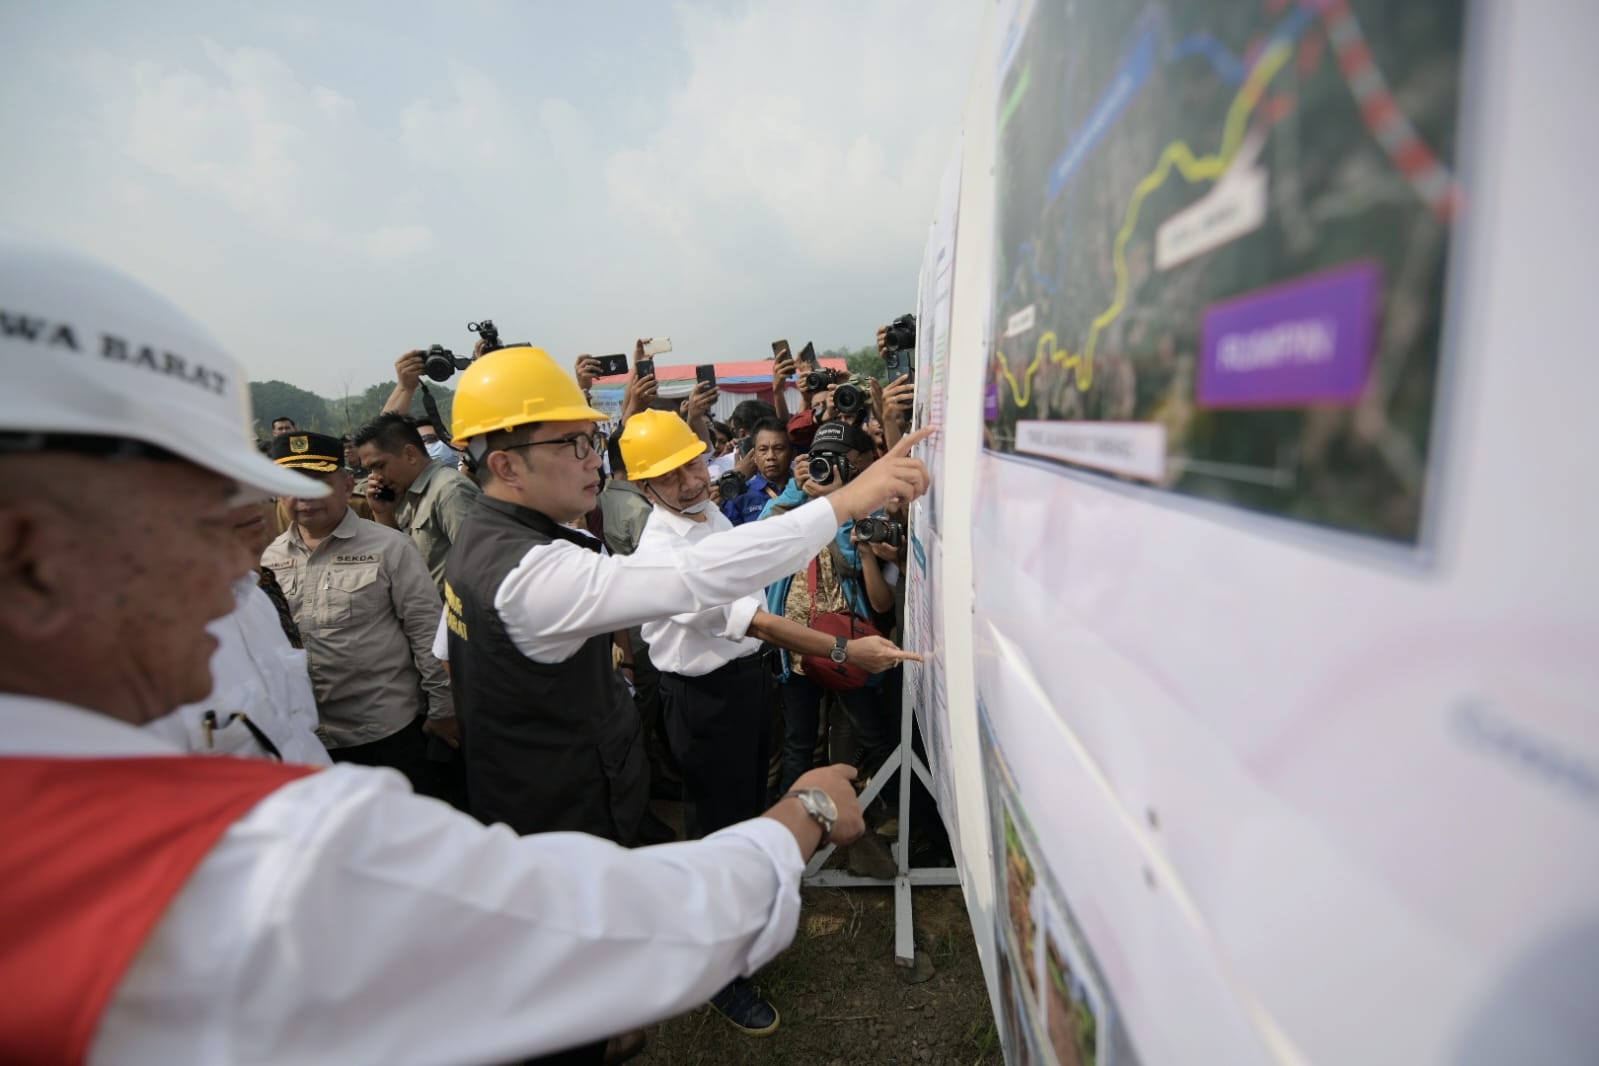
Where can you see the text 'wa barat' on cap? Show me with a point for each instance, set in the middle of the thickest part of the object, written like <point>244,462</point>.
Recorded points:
<point>841,437</point>
<point>314,452</point>
<point>91,353</point>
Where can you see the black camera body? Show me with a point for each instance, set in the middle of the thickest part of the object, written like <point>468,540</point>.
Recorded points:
<point>826,468</point>
<point>850,402</point>
<point>731,485</point>
<point>899,345</point>
<point>815,380</point>
<point>880,531</point>
<point>439,363</point>
<point>489,332</point>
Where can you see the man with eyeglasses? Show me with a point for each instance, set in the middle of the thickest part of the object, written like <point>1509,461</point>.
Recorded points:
<point>549,733</point>
<point>550,736</point>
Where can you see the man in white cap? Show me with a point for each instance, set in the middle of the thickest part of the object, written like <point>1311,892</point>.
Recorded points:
<point>164,908</point>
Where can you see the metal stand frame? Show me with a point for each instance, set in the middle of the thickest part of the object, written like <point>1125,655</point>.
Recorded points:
<point>893,766</point>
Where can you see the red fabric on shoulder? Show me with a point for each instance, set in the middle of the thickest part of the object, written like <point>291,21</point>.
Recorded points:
<point>92,853</point>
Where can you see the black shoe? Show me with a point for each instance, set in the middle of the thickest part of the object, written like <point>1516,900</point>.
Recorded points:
<point>746,1008</point>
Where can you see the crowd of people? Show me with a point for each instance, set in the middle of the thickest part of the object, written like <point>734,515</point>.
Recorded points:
<point>537,624</point>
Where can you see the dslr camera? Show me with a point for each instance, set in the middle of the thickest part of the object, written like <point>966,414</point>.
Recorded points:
<point>899,344</point>
<point>731,485</point>
<point>439,363</point>
<point>820,378</point>
<point>827,467</point>
<point>850,402</point>
<point>880,531</point>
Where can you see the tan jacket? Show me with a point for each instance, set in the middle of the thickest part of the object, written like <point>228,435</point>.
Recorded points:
<point>367,611</point>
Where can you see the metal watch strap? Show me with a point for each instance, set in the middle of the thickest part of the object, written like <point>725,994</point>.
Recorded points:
<point>805,801</point>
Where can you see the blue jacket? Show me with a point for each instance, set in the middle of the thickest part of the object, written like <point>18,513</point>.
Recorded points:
<point>751,505</point>
<point>854,588</point>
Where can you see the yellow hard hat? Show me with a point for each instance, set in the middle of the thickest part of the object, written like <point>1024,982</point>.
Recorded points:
<point>510,387</point>
<point>656,443</point>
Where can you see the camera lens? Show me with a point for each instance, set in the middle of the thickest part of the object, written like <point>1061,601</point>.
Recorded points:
<point>438,363</point>
<point>822,469</point>
<point>731,485</point>
<point>849,400</point>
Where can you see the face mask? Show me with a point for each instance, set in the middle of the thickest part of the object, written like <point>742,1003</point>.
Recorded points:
<point>444,453</point>
<point>699,508</point>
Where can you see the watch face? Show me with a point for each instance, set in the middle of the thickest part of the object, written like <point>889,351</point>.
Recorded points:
<point>825,805</point>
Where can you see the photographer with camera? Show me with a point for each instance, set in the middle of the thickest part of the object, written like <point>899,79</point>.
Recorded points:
<point>841,581</point>
<point>774,457</point>
<point>716,686</point>
<point>814,383</point>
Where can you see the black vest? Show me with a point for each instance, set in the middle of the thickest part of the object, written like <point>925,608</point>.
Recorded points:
<point>547,746</point>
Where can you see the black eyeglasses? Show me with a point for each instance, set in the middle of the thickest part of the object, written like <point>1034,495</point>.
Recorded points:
<point>583,444</point>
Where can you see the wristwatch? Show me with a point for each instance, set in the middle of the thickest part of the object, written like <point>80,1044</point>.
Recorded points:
<point>837,654</point>
<point>820,806</point>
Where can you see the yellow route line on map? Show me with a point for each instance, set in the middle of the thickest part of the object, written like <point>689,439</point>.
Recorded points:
<point>1177,154</point>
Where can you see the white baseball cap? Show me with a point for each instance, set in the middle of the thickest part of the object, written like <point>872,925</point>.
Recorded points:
<point>89,352</point>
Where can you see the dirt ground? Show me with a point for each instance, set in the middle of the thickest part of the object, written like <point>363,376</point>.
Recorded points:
<point>842,999</point>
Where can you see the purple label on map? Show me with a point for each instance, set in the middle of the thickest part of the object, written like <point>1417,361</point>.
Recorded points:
<point>991,401</point>
<point>1304,342</point>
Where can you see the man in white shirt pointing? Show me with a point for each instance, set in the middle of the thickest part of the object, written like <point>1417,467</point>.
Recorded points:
<point>716,683</point>
<point>182,909</point>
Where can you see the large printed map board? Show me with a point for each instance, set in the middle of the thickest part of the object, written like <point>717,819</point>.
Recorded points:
<point>1220,252</point>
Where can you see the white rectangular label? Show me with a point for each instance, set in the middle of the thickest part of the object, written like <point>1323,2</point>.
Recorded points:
<point>1021,321</point>
<point>1236,206</point>
<point>1135,449</point>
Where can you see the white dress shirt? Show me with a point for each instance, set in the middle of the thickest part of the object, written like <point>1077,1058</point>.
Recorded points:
<point>694,643</point>
<point>345,919</point>
<point>255,670</point>
<point>560,595</point>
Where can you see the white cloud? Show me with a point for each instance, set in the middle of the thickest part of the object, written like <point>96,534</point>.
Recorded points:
<point>478,128</point>
<point>794,115</point>
<point>294,158</point>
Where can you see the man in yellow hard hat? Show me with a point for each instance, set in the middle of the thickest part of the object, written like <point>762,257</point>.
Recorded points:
<point>163,908</point>
<point>716,681</point>
<point>550,736</point>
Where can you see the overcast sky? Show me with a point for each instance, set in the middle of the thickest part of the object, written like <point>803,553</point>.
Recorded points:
<point>325,186</point>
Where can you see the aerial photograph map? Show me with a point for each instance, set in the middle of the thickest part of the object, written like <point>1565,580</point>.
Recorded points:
<point>1221,242</point>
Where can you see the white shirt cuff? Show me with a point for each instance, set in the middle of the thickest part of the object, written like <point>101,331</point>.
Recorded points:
<point>740,613</point>
<point>782,850</point>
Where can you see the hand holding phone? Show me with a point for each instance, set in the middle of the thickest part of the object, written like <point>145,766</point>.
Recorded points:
<point>705,374</point>
<point>657,345</point>
<point>644,367</point>
<point>779,349</point>
<point>611,365</point>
